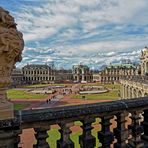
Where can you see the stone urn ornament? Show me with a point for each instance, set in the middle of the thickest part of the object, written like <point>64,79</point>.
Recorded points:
<point>11,46</point>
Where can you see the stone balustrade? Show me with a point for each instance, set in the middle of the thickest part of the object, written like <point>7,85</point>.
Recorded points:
<point>138,78</point>
<point>134,87</point>
<point>130,118</point>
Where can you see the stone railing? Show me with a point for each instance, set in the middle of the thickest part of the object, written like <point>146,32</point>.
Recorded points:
<point>141,79</point>
<point>130,118</point>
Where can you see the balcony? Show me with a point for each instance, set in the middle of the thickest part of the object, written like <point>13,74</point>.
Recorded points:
<point>130,119</point>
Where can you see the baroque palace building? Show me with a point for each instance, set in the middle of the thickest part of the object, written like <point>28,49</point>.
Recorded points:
<point>34,73</point>
<point>144,61</point>
<point>137,86</point>
<point>82,73</point>
<point>113,73</point>
<point>63,75</point>
<point>17,77</point>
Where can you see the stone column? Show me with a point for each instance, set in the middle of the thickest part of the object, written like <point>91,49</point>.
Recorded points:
<point>122,91</point>
<point>106,137</point>
<point>86,140</point>
<point>136,130</point>
<point>126,92</point>
<point>78,78</point>
<point>83,78</point>
<point>121,132</point>
<point>65,141</point>
<point>11,46</point>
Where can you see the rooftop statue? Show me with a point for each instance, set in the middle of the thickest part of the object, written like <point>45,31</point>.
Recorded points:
<point>11,46</point>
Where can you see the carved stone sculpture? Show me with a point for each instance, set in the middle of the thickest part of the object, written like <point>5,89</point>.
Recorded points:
<point>11,46</point>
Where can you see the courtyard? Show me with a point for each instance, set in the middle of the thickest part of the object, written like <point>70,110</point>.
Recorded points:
<point>34,97</point>
<point>54,95</point>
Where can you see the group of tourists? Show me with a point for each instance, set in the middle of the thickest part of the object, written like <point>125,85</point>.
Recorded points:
<point>63,91</point>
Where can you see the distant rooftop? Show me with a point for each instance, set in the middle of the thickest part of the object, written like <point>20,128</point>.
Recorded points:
<point>121,66</point>
<point>80,66</point>
<point>34,66</point>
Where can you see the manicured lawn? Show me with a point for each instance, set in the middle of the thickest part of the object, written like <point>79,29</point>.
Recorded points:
<point>92,84</point>
<point>111,95</point>
<point>20,106</point>
<point>112,86</point>
<point>45,85</point>
<point>108,85</point>
<point>21,94</point>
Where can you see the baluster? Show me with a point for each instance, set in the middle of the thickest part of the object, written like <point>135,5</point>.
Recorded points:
<point>41,136</point>
<point>105,136</point>
<point>145,126</point>
<point>17,137</point>
<point>136,130</point>
<point>65,141</point>
<point>86,139</point>
<point>121,133</point>
<point>9,138</point>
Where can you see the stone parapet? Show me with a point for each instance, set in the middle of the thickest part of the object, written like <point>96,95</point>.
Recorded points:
<point>11,46</point>
<point>109,135</point>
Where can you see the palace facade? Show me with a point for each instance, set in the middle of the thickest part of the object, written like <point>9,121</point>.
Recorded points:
<point>17,77</point>
<point>113,73</point>
<point>82,73</point>
<point>137,86</point>
<point>144,61</point>
<point>34,73</point>
<point>63,75</point>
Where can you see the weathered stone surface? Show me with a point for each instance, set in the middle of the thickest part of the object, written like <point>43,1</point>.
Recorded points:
<point>41,119</point>
<point>65,141</point>
<point>41,136</point>
<point>121,132</point>
<point>136,130</point>
<point>11,46</point>
<point>87,140</point>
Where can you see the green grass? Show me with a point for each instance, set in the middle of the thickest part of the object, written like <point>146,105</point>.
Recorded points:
<point>92,84</point>
<point>20,106</point>
<point>111,95</point>
<point>112,86</point>
<point>45,85</point>
<point>108,85</point>
<point>21,94</point>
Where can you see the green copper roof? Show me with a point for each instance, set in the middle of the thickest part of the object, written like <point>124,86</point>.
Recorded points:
<point>121,66</point>
<point>80,66</point>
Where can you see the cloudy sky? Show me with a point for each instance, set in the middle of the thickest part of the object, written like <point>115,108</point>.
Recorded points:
<point>92,32</point>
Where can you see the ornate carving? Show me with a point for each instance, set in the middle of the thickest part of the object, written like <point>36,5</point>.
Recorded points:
<point>136,130</point>
<point>41,136</point>
<point>11,46</point>
<point>86,139</point>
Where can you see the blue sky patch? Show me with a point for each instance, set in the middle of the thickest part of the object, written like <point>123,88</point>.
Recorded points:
<point>91,32</point>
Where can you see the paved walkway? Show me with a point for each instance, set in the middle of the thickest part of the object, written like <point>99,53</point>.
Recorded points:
<point>52,102</point>
<point>75,87</point>
<point>68,100</point>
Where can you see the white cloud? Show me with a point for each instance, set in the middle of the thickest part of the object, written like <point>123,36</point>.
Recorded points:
<point>71,31</point>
